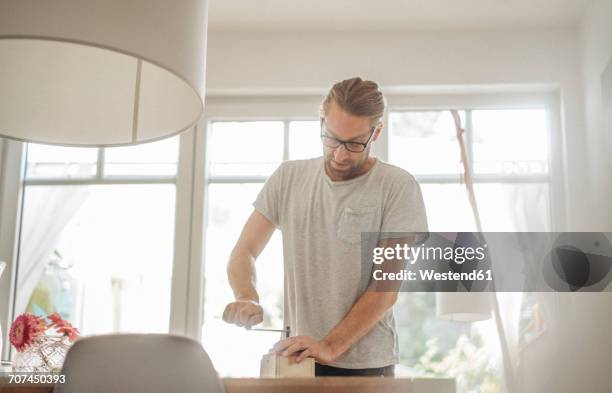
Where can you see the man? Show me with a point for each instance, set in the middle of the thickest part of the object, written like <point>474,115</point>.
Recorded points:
<point>321,206</point>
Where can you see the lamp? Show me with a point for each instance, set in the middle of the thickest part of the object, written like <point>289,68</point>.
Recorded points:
<point>100,72</point>
<point>463,306</point>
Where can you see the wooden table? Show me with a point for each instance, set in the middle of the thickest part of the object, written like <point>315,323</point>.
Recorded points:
<point>299,385</point>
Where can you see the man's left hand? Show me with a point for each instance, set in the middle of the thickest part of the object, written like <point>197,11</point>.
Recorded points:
<point>303,347</point>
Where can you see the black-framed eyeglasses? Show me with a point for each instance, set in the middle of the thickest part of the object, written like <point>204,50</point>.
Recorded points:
<point>355,147</point>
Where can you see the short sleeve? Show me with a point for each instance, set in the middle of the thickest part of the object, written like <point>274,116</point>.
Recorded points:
<point>404,210</point>
<point>268,200</point>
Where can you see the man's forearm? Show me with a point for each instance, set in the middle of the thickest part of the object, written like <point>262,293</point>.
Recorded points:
<point>365,313</point>
<point>370,307</point>
<point>242,276</point>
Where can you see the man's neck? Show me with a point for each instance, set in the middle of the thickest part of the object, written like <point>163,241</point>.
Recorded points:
<point>367,166</point>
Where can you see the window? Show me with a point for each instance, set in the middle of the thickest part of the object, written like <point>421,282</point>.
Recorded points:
<point>512,184</point>
<point>241,156</point>
<point>98,225</point>
<point>509,153</point>
<point>97,235</point>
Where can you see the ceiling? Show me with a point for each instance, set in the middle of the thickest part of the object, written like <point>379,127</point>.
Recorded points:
<point>386,15</point>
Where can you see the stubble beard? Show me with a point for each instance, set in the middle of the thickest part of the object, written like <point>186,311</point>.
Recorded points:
<point>351,171</point>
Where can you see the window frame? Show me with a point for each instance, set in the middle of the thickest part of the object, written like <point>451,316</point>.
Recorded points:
<point>192,179</point>
<point>277,107</point>
<point>225,108</point>
<point>274,107</point>
<point>185,316</point>
<point>548,100</point>
<point>12,171</point>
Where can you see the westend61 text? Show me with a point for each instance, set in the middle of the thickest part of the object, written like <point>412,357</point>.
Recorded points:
<point>432,275</point>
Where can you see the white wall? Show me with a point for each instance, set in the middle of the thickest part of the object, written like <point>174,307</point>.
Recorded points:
<point>576,353</point>
<point>596,43</point>
<point>252,63</point>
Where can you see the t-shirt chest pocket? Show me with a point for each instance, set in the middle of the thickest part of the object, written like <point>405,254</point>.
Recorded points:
<point>353,221</point>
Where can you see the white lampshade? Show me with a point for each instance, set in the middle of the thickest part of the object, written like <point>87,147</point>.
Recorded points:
<point>100,72</point>
<point>464,306</point>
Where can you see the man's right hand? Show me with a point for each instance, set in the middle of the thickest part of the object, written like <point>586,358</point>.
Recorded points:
<point>243,313</point>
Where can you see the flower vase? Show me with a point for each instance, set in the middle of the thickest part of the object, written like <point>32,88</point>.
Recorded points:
<point>46,354</point>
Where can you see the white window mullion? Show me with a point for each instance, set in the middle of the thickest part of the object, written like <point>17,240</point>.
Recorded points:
<point>380,148</point>
<point>100,164</point>
<point>469,140</point>
<point>180,307</point>
<point>237,179</point>
<point>559,192</point>
<point>12,170</point>
<point>188,279</point>
<point>286,140</point>
<point>106,181</point>
<point>197,279</point>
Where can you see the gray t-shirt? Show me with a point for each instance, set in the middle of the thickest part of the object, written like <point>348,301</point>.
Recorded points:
<point>321,223</point>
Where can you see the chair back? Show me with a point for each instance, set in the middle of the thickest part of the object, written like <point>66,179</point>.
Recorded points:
<point>138,363</point>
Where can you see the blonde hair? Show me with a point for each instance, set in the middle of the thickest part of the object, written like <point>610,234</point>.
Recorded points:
<point>357,97</point>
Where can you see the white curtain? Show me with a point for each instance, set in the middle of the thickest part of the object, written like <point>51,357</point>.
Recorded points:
<point>43,222</point>
<point>529,208</point>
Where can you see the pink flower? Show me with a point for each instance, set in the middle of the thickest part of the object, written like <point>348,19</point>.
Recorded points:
<point>71,332</point>
<point>55,318</point>
<point>25,329</point>
<point>63,326</point>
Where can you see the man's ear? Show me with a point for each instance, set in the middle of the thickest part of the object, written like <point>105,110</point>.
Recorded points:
<point>377,132</point>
